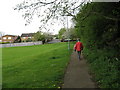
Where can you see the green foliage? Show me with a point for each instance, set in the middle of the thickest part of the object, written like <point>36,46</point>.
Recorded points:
<point>48,36</point>
<point>18,40</point>
<point>97,25</point>
<point>56,36</point>
<point>61,33</point>
<point>39,66</point>
<point>104,66</point>
<point>94,24</point>
<point>29,40</point>
<point>72,33</point>
<point>39,36</point>
<point>4,42</point>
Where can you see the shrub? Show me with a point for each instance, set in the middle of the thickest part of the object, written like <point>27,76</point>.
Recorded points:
<point>4,42</point>
<point>104,66</point>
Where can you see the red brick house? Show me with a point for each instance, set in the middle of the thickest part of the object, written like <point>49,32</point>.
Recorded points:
<point>9,38</point>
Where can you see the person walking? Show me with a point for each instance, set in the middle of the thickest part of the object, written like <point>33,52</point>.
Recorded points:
<point>78,47</point>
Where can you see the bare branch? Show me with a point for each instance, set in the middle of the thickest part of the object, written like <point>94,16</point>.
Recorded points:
<point>23,6</point>
<point>46,11</point>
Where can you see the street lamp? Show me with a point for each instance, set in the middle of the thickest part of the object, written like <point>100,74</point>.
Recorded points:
<point>68,36</point>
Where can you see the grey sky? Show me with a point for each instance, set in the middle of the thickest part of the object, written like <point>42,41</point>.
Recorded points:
<point>11,21</point>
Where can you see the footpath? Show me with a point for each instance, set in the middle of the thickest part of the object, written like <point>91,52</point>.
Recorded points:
<point>77,75</point>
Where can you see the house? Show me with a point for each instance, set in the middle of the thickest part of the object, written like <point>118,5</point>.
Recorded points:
<point>9,38</point>
<point>27,36</point>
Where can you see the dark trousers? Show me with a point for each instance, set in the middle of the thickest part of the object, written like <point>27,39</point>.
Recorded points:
<point>79,53</point>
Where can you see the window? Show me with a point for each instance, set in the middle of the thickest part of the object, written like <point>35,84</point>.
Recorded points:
<point>9,38</point>
<point>4,38</point>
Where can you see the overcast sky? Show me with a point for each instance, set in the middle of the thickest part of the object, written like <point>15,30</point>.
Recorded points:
<point>12,22</point>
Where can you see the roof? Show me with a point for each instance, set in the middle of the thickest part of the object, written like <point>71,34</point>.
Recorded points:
<point>10,35</point>
<point>27,34</point>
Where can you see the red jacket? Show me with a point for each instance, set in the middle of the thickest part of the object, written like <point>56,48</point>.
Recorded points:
<point>78,46</point>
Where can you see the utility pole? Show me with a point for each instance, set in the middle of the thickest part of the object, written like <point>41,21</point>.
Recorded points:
<point>68,35</point>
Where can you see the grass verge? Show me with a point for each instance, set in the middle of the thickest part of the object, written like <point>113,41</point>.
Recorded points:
<point>39,66</point>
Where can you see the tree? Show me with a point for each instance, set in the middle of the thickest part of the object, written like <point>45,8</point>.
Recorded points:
<point>49,10</point>
<point>48,36</point>
<point>61,34</point>
<point>97,25</point>
<point>73,33</point>
<point>18,39</point>
<point>39,36</point>
<point>56,36</point>
<point>70,33</point>
<point>99,19</point>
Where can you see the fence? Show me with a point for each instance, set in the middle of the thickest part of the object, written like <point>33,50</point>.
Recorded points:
<point>20,44</point>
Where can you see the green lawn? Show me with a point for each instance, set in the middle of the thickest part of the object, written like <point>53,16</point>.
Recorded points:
<point>39,66</point>
<point>0,67</point>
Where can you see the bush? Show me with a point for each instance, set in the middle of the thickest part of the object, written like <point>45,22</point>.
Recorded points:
<point>102,66</point>
<point>4,42</point>
<point>29,40</point>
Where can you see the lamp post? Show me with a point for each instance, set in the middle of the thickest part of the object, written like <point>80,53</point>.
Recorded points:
<point>68,35</point>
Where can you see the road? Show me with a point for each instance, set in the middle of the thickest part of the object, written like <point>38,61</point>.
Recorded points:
<point>54,41</point>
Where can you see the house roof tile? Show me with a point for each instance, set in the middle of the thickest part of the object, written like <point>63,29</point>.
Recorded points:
<point>10,35</point>
<point>27,34</point>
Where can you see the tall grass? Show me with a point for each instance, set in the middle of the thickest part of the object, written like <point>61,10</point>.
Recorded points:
<point>39,66</point>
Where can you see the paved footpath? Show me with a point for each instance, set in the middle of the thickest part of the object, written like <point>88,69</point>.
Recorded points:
<point>77,75</point>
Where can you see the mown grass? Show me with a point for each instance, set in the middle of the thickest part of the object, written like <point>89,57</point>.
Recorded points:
<point>39,66</point>
<point>0,67</point>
